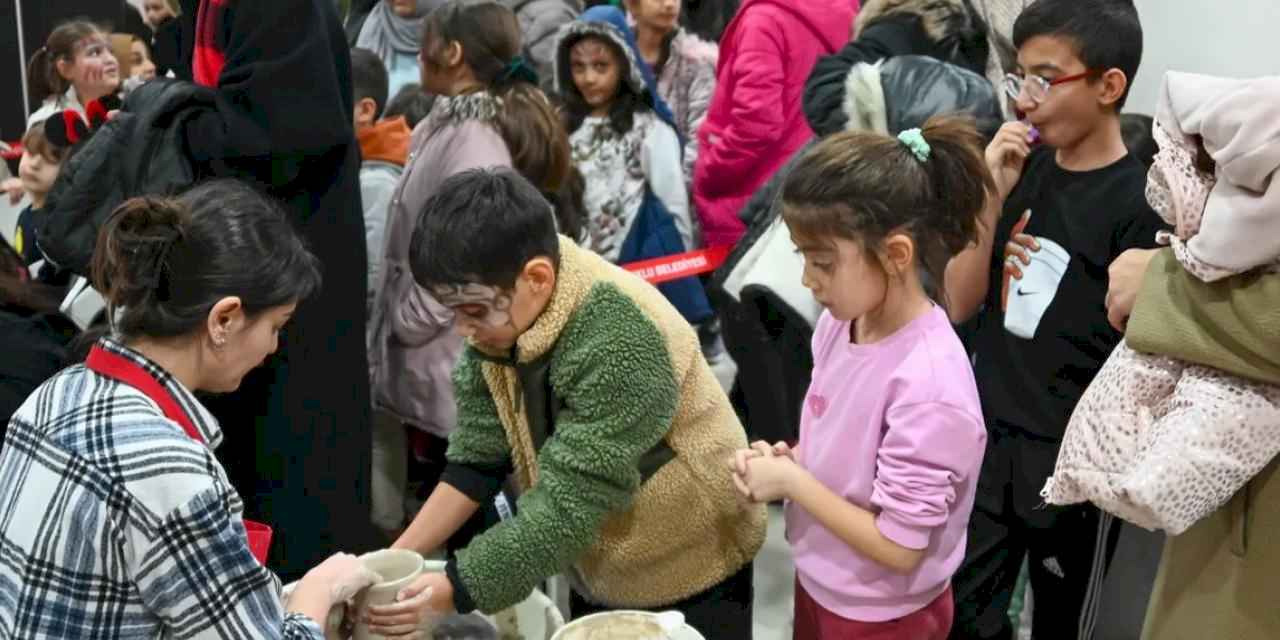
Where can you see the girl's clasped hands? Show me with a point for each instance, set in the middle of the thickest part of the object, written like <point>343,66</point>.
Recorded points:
<point>764,472</point>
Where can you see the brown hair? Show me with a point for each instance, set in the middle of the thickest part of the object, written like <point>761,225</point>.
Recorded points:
<point>863,186</point>
<point>42,71</point>
<point>535,137</point>
<point>35,141</point>
<point>487,32</point>
<point>490,39</point>
<point>164,262</point>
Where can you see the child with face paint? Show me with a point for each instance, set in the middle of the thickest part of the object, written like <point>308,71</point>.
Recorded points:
<point>73,68</point>
<point>582,383</point>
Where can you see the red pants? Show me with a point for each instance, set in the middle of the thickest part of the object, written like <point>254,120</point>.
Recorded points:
<point>816,623</point>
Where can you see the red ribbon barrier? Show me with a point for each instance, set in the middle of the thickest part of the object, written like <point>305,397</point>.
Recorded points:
<point>681,265</point>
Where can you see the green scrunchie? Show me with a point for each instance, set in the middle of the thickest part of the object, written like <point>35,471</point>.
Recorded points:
<point>914,140</point>
<point>518,69</point>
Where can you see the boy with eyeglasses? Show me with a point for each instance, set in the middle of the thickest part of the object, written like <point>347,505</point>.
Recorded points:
<point>1070,200</point>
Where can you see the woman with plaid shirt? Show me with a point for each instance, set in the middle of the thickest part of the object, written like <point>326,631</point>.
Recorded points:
<point>116,519</point>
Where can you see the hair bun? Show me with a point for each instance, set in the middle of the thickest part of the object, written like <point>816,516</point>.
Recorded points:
<point>133,249</point>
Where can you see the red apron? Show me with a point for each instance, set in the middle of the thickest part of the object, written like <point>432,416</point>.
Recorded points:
<point>124,370</point>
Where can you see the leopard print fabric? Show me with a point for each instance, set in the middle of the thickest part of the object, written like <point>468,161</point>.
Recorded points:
<point>1160,442</point>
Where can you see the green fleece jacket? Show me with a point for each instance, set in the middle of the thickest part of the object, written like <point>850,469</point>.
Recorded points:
<point>627,375</point>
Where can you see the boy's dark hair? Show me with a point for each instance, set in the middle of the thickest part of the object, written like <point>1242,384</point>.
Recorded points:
<point>411,102</point>
<point>369,79</point>
<point>625,104</point>
<point>1135,128</point>
<point>1106,34</point>
<point>863,186</point>
<point>481,227</point>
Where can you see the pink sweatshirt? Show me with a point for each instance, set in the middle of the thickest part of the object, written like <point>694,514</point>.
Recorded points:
<point>896,428</point>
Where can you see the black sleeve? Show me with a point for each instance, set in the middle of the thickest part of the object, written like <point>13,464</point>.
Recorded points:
<point>478,482</point>
<point>285,91</point>
<point>1139,230</point>
<point>824,92</point>
<point>462,601</point>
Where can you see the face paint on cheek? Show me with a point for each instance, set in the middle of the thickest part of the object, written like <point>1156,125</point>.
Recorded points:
<point>488,305</point>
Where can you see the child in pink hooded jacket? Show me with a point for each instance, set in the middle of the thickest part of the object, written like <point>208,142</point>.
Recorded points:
<point>755,121</point>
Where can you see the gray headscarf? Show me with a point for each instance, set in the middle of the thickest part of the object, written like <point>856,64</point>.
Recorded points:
<point>386,34</point>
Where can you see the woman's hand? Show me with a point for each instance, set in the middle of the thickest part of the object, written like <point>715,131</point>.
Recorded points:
<point>428,598</point>
<point>1126,274</point>
<point>332,582</point>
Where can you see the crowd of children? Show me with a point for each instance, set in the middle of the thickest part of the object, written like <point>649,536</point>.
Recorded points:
<point>526,404</point>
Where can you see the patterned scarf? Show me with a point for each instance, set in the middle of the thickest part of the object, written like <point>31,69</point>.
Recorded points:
<point>209,58</point>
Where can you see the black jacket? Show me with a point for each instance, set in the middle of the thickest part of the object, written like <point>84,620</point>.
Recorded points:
<point>140,151</point>
<point>282,121</point>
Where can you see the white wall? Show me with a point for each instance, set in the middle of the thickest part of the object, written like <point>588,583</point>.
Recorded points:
<point>1237,38</point>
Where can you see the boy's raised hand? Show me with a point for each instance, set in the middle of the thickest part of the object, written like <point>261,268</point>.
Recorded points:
<point>1007,155</point>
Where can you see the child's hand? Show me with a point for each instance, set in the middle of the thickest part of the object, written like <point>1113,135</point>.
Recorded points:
<point>769,478</point>
<point>429,597</point>
<point>1015,251</point>
<point>1007,154</point>
<point>13,187</point>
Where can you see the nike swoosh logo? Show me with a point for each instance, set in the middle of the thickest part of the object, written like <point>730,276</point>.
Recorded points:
<point>1027,293</point>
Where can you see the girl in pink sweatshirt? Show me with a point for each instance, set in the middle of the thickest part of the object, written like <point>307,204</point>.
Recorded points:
<point>880,487</point>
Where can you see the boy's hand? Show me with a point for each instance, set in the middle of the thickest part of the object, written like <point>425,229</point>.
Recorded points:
<point>1007,155</point>
<point>1015,251</point>
<point>430,596</point>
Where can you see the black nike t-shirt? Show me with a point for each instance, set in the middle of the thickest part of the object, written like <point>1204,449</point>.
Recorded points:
<point>1043,338</point>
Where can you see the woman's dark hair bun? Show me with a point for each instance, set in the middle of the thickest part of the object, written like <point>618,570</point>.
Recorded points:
<point>133,249</point>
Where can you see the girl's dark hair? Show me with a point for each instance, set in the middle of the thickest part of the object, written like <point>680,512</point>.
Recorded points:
<point>863,186</point>
<point>164,262</point>
<point>487,31</point>
<point>490,39</point>
<point>535,137</point>
<point>625,104</point>
<point>42,71</point>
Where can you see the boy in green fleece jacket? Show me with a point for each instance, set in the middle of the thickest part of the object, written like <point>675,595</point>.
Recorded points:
<point>583,383</point>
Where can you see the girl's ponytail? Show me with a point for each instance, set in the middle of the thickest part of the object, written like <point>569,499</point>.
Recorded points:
<point>43,77</point>
<point>960,185</point>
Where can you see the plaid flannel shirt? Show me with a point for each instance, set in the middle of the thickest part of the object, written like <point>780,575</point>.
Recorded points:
<point>115,524</point>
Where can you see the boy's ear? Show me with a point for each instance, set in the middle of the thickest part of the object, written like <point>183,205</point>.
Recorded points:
<point>1113,83</point>
<point>540,273</point>
<point>365,112</point>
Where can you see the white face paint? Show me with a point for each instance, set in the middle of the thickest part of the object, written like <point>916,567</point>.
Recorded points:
<point>476,303</point>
